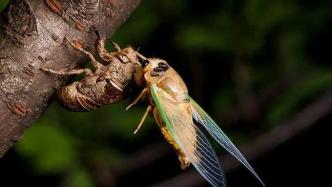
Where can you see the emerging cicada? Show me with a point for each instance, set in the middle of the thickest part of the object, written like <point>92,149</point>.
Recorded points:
<point>179,117</point>
<point>175,112</point>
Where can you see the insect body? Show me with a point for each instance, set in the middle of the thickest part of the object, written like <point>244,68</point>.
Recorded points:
<point>177,115</point>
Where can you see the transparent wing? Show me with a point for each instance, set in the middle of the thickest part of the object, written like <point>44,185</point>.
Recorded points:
<point>204,119</point>
<point>191,140</point>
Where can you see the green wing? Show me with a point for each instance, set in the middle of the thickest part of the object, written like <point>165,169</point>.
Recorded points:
<point>204,119</point>
<point>191,140</point>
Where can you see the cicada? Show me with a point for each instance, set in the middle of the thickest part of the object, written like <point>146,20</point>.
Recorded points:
<point>176,113</point>
<point>180,119</point>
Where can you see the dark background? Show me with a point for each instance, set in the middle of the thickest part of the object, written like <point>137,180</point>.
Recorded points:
<point>260,68</point>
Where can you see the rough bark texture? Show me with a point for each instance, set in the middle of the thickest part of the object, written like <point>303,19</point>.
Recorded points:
<point>33,37</point>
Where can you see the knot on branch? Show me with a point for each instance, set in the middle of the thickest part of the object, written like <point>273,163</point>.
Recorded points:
<point>21,21</point>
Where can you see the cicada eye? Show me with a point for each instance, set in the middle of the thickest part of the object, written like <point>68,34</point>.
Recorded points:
<point>160,69</point>
<point>163,65</point>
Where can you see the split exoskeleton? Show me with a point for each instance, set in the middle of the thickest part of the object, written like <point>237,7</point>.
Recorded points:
<point>104,85</point>
<point>178,116</point>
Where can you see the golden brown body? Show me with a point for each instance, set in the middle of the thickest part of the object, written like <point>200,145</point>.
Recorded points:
<point>159,73</point>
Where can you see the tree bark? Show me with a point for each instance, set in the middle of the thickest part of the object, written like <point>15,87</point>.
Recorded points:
<point>32,37</point>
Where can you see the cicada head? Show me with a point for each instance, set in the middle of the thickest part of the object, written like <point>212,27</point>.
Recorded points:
<point>156,66</point>
<point>155,69</point>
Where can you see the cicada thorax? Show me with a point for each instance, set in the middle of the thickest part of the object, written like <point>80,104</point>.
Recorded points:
<point>159,72</point>
<point>177,92</point>
<point>170,82</point>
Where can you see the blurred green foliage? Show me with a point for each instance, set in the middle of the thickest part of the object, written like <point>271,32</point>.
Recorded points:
<point>3,4</point>
<point>79,178</point>
<point>231,53</point>
<point>313,85</point>
<point>52,149</point>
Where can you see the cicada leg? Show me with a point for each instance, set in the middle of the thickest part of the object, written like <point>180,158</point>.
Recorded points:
<point>76,45</point>
<point>184,161</point>
<point>138,98</point>
<point>63,72</point>
<point>101,50</point>
<point>147,111</point>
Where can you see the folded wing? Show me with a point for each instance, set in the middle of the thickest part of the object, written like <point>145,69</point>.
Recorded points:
<point>204,119</point>
<point>191,140</point>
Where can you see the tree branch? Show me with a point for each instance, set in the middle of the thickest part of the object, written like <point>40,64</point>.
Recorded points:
<point>33,37</point>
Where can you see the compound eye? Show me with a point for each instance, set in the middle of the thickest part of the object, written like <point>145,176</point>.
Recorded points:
<point>163,65</point>
<point>160,69</point>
